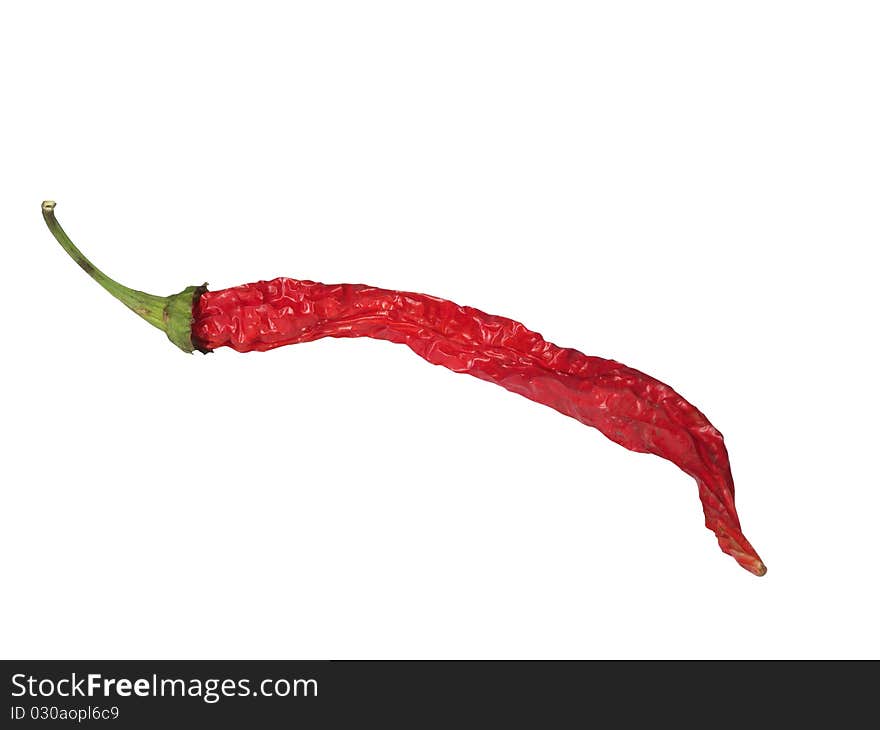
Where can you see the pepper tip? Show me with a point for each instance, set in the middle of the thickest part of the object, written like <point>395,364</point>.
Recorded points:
<point>48,205</point>
<point>753,564</point>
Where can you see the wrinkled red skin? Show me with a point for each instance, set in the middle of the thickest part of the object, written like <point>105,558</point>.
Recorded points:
<point>630,408</point>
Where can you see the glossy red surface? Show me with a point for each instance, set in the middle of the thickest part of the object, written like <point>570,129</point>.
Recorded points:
<point>630,408</point>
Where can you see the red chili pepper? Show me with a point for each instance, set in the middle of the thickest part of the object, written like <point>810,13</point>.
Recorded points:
<point>630,408</point>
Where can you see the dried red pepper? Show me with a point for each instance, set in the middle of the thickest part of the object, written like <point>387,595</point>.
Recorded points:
<point>630,408</point>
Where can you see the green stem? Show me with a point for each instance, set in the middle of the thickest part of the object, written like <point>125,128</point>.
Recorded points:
<point>172,314</point>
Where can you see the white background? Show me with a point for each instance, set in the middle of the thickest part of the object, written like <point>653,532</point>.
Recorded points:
<point>691,188</point>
